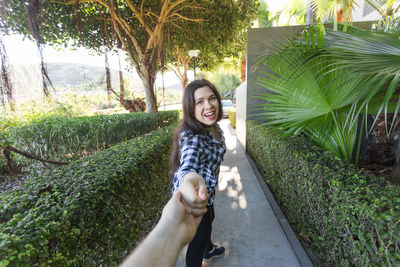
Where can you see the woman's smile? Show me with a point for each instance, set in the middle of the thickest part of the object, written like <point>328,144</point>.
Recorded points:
<point>210,115</point>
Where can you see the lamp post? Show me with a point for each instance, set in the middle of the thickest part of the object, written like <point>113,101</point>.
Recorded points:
<point>194,54</point>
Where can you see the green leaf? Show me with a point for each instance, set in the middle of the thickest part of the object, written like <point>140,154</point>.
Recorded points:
<point>76,231</point>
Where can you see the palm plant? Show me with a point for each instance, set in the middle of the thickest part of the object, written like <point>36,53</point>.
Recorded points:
<point>327,9</point>
<point>371,55</point>
<point>317,94</point>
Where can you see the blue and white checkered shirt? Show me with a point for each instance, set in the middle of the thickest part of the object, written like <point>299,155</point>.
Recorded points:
<point>202,154</point>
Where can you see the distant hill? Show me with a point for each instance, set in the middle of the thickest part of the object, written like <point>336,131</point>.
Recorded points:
<point>80,78</point>
<point>65,76</point>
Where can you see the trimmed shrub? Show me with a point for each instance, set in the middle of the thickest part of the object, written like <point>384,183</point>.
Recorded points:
<point>91,212</point>
<point>352,218</point>
<point>67,139</point>
<point>232,116</point>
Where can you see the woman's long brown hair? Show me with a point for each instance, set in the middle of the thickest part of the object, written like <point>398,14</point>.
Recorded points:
<point>189,121</point>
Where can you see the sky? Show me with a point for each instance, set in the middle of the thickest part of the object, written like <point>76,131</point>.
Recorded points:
<point>274,5</point>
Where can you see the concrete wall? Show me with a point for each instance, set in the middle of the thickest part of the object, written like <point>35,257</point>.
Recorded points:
<point>259,43</point>
<point>358,12</point>
<point>241,106</point>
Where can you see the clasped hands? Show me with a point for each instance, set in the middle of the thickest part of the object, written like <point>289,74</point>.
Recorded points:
<point>177,226</point>
<point>186,207</point>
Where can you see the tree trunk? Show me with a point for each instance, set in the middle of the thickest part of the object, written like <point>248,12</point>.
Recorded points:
<point>394,176</point>
<point>184,80</point>
<point>108,79</point>
<point>121,88</point>
<point>243,69</point>
<point>151,101</point>
<point>344,15</point>
<point>11,166</point>
<point>6,86</point>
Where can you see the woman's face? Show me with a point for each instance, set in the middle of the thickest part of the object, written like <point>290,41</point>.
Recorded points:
<point>206,105</point>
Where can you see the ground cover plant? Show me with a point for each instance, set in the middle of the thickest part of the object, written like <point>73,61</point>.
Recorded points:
<point>90,212</point>
<point>347,216</point>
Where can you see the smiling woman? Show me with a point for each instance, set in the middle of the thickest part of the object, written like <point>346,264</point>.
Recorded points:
<point>197,151</point>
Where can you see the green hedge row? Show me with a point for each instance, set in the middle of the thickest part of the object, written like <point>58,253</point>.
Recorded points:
<point>351,218</point>
<point>91,212</point>
<point>67,139</point>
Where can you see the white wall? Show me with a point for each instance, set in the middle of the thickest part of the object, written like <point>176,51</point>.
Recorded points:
<point>241,111</point>
<point>358,12</point>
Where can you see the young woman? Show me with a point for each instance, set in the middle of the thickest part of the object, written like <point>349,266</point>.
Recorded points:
<point>198,149</point>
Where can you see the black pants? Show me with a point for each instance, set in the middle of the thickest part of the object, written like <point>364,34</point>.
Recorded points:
<point>201,241</point>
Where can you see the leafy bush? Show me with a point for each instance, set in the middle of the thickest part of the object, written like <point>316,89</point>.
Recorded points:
<point>232,116</point>
<point>225,82</point>
<point>310,88</point>
<point>352,218</point>
<point>66,139</point>
<point>91,212</point>
<point>36,110</point>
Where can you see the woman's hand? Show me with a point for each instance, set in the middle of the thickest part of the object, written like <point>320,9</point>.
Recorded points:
<point>194,194</point>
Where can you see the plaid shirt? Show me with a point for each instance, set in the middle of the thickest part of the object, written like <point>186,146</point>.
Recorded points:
<point>202,154</point>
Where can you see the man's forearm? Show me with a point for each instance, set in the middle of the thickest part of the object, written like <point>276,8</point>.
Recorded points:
<point>160,248</point>
<point>177,226</point>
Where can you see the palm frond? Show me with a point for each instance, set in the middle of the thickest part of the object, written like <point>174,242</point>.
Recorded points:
<point>366,52</point>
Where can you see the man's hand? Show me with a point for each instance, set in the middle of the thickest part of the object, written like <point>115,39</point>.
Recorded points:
<point>177,226</point>
<point>194,194</point>
<point>176,216</point>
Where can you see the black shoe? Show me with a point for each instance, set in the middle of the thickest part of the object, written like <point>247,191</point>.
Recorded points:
<point>214,253</point>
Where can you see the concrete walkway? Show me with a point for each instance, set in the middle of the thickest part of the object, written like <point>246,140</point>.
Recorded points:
<point>245,224</point>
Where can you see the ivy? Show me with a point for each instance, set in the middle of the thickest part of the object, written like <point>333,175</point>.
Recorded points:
<point>90,212</point>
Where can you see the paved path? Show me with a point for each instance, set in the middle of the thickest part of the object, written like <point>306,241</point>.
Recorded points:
<point>245,222</point>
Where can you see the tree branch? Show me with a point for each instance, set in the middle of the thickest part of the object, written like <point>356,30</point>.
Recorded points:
<point>5,139</point>
<point>176,25</point>
<point>185,18</point>
<point>138,15</point>
<point>114,16</point>
<point>175,4</point>
<point>25,154</point>
<point>71,2</point>
<point>176,73</point>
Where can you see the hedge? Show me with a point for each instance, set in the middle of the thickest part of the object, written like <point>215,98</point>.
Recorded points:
<point>352,218</point>
<point>91,212</point>
<point>67,139</point>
